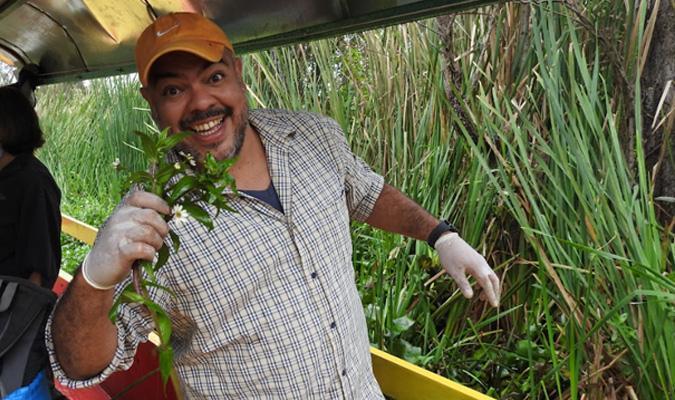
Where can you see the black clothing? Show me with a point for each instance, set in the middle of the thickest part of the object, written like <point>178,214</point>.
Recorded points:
<point>30,229</point>
<point>30,220</point>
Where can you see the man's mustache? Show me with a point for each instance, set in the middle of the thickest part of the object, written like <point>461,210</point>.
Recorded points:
<point>201,115</point>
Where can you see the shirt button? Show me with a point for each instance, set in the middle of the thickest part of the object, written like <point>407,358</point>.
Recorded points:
<point>314,275</point>
<point>333,325</point>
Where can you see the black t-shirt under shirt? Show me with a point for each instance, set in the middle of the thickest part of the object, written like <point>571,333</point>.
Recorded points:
<point>268,195</point>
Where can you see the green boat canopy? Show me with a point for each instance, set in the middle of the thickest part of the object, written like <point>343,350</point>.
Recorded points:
<point>80,39</point>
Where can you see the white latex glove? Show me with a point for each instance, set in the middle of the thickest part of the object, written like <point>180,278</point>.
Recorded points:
<point>458,259</point>
<point>134,231</point>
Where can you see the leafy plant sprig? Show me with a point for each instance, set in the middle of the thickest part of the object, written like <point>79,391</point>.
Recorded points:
<point>183,185</point>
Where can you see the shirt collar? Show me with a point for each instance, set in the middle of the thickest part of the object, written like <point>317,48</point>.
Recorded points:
<point>270,127</point>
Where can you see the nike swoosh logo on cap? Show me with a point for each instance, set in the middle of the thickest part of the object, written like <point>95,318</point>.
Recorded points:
<point>164,32</point>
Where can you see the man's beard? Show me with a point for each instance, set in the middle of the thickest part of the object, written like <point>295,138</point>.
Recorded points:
<point>239,133</point>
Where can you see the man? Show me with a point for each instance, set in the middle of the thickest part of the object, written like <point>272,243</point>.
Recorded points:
<point>265,305</point>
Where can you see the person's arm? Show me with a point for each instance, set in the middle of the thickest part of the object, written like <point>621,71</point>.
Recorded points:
<point>384,207</point>
<point>84,340</point>
<point>395,212</point>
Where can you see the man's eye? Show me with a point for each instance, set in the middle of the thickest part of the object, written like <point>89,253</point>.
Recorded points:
<point>216,77</point>
<point>170,91</point>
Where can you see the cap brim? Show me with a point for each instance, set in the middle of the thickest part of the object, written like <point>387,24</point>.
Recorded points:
<point>210,51</point>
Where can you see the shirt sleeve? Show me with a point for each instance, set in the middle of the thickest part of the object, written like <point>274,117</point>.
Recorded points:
<point>134,324</point>
<point>362,184</point>
<point>39,230</point>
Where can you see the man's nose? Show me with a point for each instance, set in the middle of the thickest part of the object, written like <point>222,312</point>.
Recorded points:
<point>200,99</point>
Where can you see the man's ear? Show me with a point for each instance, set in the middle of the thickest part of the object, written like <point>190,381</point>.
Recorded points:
<point>238,72</point>
<point>145,92</point>
<point>237,66</point>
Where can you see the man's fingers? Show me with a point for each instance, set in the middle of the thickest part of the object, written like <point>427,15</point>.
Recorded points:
<point>492,295</point>
<point>146,234</point>
<point>151,218</point>
<point>496,285</point>
<point>137,251</point>
<point>463,284</point>
<point>485,282</point>
<point>142,199</point>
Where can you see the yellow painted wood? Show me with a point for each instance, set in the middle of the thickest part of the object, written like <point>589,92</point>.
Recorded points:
<point>402,380</point>
<point>78,229</point>
<point>399,379</point>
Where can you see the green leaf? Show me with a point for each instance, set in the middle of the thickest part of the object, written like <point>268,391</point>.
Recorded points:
<point>163,323</point>
<point>402,324</point>
<point>134,297</point>
<point>165,363</point>
<point>149,146</point>
<point>141,177</point>
<point>199,214</point>
<point>525,347</point>
<point>114,310</point>
<point>164,288</point>
<point>412,354</point>
<point>211,165</point>
<point>233,187</point>
<point>172,140</point>
<point>184,185</point>
<point>165,173</point>
<point>147,267</point>
<point>162,257</point>
<point>175,240</point>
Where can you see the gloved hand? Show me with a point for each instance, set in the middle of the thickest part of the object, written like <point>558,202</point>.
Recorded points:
<point>458,258</point>
<point>134,231</point>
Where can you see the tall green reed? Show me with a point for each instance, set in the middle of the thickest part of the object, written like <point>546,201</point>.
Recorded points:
<point>87,126</point>
<point>553,151</point>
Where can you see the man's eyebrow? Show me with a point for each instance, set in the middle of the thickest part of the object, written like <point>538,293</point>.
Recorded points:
<point>156,76</point>
<point>164,75</point>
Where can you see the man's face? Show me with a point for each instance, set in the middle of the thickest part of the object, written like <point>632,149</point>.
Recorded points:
<point>188,93</point>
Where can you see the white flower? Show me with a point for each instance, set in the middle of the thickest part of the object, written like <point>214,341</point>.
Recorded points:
<point>116,163</point>
<point>179,214</point>
<point>189,158</point>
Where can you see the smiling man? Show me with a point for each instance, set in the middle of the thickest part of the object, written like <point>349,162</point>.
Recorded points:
<point>266,305</point>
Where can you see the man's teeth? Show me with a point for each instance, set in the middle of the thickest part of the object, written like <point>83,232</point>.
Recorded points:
<point>206,127</point>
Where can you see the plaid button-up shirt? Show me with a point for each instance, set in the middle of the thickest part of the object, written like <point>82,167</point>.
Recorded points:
<point>266,305</point>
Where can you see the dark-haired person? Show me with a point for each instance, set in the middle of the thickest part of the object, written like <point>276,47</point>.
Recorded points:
<point>30,225</point>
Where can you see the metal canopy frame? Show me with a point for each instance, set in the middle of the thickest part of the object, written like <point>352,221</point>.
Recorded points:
<point>81,39</point>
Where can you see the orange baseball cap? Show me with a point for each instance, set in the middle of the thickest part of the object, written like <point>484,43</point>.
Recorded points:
<point>182,31</point>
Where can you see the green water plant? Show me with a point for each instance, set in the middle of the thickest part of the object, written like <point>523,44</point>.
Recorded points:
<point>188,188</point>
